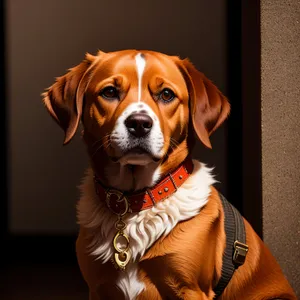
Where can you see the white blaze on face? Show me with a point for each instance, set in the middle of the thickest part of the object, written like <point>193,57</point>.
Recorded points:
<point>140,65</point>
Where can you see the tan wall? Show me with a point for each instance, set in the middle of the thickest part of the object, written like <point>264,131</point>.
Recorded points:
<point>280,29</point>
<point>44,38</point>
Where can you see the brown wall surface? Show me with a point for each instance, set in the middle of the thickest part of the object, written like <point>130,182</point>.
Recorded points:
<point>280,32</point>
<point>44,39</point>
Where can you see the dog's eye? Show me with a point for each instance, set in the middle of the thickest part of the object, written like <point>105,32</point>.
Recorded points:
<point>110,92</point>
<point>167,95</point>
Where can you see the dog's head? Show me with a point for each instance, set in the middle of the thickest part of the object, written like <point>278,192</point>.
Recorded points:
<point>136,106</point>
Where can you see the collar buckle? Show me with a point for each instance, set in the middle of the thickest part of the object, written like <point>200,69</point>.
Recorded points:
<point>240,253</point>
<point>117,202</point>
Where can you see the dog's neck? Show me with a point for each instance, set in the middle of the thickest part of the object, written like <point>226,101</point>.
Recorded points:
<point>133,177</point>
<point>127,177</point>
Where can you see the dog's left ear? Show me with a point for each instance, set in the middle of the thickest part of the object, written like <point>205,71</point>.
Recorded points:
<point>209,107</point>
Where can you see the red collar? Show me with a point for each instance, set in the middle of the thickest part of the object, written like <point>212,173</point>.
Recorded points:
<point>120,203</point>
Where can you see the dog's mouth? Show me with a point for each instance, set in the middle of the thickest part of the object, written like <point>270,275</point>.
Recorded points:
<point>137,151</point>
<point>136,156</point>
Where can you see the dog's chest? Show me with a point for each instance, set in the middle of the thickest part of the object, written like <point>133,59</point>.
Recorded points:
<point>143,228</point>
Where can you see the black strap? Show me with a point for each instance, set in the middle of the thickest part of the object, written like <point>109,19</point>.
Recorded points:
<point>236,248</point>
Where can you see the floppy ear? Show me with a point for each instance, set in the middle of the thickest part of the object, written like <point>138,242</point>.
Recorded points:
<point>64,99</point>
<point>209,107</point>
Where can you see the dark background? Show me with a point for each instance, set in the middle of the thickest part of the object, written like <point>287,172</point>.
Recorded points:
<point>42,39</point>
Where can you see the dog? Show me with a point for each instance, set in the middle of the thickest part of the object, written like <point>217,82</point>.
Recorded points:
<point>152,225</point>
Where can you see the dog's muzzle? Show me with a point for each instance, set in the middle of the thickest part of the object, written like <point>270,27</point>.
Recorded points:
<point>137,137</point>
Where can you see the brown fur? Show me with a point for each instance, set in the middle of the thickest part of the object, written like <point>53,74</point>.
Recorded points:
<point>187,263</point>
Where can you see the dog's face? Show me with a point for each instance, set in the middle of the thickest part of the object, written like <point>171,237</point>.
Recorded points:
<point>136,106</point>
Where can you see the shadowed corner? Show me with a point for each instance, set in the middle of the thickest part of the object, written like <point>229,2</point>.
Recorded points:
<point>41,267</point>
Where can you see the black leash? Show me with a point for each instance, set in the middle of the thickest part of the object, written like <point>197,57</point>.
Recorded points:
<point>236,247</point>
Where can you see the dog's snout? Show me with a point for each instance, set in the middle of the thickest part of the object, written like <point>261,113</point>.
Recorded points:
<point>139,124</point>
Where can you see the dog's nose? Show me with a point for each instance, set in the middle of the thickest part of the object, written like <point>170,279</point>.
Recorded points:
<point>139,124</point>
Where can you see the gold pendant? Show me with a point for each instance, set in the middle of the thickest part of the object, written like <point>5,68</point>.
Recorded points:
<point>122,255</point>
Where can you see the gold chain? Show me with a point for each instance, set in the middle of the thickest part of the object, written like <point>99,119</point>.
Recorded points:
<point>122,254</point>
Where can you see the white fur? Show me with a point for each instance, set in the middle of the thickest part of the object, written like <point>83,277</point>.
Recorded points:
<point>143,228</point>
<point>140,65</point>
<point>128,282</point>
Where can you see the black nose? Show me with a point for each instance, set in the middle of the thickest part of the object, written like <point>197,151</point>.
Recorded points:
<point>139,124</point>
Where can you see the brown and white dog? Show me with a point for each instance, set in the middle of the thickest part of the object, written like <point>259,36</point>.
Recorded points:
<point>139,110</point>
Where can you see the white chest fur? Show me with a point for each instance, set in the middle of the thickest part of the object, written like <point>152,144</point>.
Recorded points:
<point>143,228</point>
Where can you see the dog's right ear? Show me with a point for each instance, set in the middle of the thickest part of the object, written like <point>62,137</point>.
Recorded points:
<point>64,99</point>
